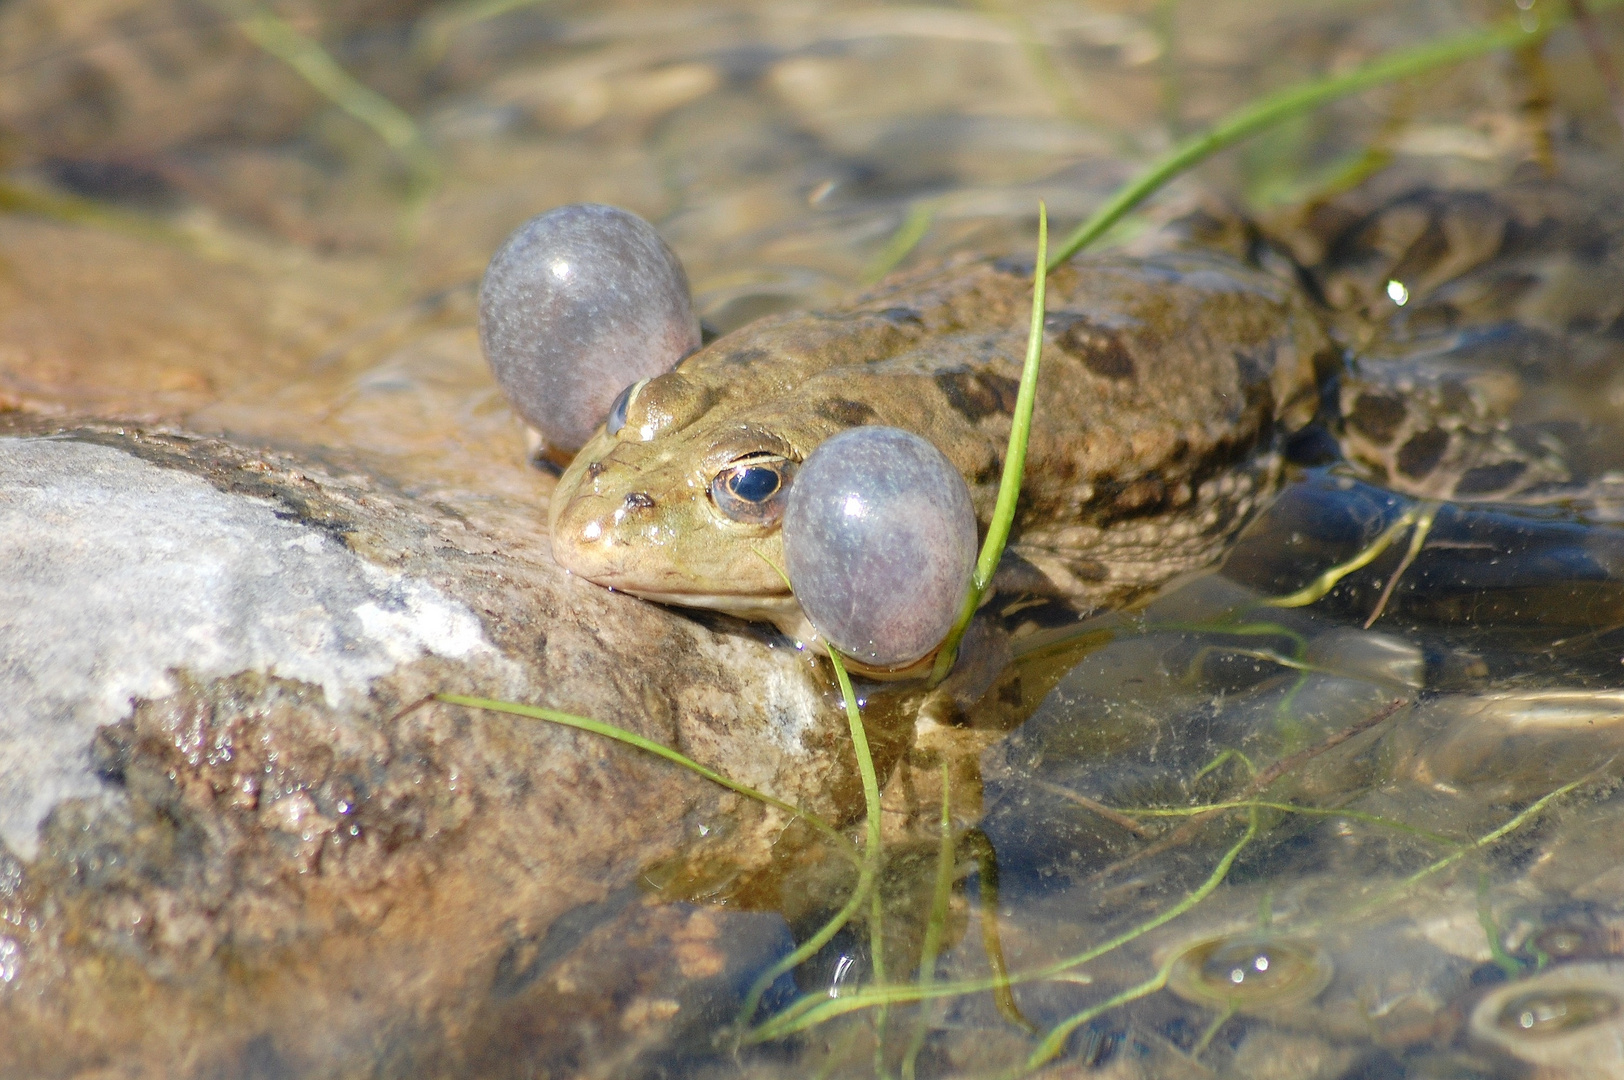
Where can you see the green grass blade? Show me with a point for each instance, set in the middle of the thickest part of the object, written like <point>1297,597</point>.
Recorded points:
<point>1009,486</point>
<point>436,30</point>
<point>867,872</point>
<point>1055,1040</point>
<point>936,925</point>
<point>631,738</point>
<point>812,1010</point>
<point>1298,99</point>
<point>312,63</point>
<point>1291,808</point>
<point>1517,821</point>
<point>921,215</point>
<point>1327,581</point>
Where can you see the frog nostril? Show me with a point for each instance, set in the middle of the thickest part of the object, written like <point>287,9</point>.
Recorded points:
<point>639,500</point>
<point>595,470</point>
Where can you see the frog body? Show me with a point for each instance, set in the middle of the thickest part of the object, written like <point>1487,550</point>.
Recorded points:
<point>1170,383</point>
<point>1166,384</point>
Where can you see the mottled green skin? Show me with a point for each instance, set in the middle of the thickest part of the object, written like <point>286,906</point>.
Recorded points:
<point>1165,385</point>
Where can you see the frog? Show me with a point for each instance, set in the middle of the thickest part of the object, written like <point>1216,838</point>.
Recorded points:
<point>1173,381</point>
<point>1151,444</point>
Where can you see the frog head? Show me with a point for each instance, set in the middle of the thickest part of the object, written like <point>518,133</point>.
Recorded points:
<point>678,499</point>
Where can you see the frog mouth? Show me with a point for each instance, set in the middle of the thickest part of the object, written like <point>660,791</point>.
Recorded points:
<point>785,613</point>
<point>781,610</point>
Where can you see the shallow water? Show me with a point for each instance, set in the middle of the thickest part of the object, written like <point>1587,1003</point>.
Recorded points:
<point>194,236</point>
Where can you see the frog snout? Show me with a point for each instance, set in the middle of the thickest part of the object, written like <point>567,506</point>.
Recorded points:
<point>582,536</point>
<point>595,536</point>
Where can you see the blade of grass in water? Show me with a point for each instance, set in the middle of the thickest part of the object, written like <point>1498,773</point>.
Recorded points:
<point>631,738</point>
<point>436,30</point>
<point>312,63</point>
<point>1298,99</point>
<point>1055,1040</point>
<point>992,938</point>
<point>936,926</point>
<point>810,1011</point>
<point>870,867</point>
<point>907,237</point>
<point>1009,486</point>
<point>1328,580</point>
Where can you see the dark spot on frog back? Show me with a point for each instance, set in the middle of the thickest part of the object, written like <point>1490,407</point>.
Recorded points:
<point>902,316</point>
<point>847,413</point>
<point>745,357</point>
<point>1490,479</point>
<point>1100,348</point>
<point>975,395</point>
<point>1422,453</point>
<point>1377,416</point>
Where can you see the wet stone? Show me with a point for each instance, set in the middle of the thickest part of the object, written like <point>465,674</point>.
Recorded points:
<point>232,821</point>
<point>1566,1021</point>
<point>1250,971</point>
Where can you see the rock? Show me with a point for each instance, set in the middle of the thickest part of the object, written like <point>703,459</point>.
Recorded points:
<point>240,840</point>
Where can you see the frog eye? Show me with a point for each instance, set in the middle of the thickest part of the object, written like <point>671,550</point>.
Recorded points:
<point>617,410</point>
<point>753,489</point>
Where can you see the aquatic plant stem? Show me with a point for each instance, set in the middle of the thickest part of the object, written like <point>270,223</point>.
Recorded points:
<point>1517,822</point>
<point>992,939</point>
<point>936,925</point>
<point>1257,786</point>
<point>1296,100</point>
<point>1530,812</point>
<point>312,63</point>
<point>1327,581</point>
<point>1055,1040</point>
<point>1218,1021</point>
<point>1292,808</point>
<point>902,242</point>
<point>876,954</point>
<point>1491,930</point>
<point>810,1011</point>
<point>1425,516</point>
<point>434,32</point>
<point>631,738</point>
<point>868,870</point>
<point>1009,486</point>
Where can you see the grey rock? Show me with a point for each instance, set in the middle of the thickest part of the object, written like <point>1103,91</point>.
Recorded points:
<point>264,848</point>
<point>120,572</point>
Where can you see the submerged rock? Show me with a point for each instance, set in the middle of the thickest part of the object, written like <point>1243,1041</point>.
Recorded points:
<point>235,830</point>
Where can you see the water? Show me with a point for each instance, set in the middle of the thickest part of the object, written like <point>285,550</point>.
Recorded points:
<point>1414,871</point>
